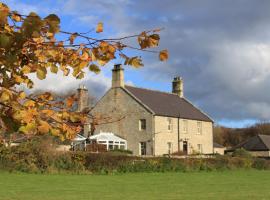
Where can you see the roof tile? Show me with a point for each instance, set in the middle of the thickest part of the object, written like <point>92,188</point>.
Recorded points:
<point>167,104</point>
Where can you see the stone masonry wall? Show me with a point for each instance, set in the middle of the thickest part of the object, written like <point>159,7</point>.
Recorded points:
<point>163,136</point>
<point>117,104</point>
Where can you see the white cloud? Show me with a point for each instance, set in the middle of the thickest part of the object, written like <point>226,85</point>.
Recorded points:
<point>97,84</point>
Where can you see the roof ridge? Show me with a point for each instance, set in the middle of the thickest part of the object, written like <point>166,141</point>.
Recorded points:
<point>154,90</point>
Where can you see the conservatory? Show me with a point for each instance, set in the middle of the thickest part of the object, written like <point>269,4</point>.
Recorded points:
<point>110,140</point>
<point>78,143</point>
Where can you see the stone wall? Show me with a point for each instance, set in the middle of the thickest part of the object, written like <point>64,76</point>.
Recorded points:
<point>124,113</point>
<point>163,136</point>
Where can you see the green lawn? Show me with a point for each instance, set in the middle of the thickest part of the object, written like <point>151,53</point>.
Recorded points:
<point>187,186</point>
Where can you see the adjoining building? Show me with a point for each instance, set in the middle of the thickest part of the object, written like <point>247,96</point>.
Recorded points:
<point>258,146</point>
<point>219,149</point>
<point>152,122</point>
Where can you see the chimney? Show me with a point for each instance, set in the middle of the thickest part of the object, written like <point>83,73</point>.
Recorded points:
<point>118,76</point>
<point>177,86</point>
<point>83,99</point>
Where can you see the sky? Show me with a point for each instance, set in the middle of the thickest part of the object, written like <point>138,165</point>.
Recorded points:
<point>221,49</point>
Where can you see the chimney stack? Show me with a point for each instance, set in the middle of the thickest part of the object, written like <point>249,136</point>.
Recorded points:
<point>83,98</point>
<point>118,76</point>
<point>177,86</point>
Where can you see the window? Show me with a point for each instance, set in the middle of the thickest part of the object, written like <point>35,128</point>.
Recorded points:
<point>169,147</point>
<point>169,121</point>
<point>199,127</point>
<point>142,148</point>
<point>185,126</point>
<point>142,124</point>
<point>199,148</point>
<point>110,145</point>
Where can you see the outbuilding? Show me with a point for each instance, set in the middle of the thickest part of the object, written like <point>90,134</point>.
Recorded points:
<point>258,146</point>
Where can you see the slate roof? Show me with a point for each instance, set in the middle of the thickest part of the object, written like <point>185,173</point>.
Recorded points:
<point>216,145</point>
<point>256,143</point>
<point>167,104</point>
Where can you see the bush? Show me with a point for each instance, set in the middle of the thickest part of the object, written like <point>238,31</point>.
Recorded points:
<point>241,153</point>
<point>121,151</point>
<point>39,156</point>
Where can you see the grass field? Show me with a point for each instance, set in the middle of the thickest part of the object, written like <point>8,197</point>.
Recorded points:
<point>227,185</point>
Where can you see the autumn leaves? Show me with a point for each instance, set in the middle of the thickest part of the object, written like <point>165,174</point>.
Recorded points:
<point>30,44</point>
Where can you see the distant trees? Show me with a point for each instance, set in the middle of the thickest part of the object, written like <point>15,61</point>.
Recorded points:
<point>233,136</point>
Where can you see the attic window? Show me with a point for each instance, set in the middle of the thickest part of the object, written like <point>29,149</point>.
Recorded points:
<point>142,124</point>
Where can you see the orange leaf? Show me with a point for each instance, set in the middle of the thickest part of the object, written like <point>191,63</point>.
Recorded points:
<point>99,27</point>
<point>44,127</point>
<point>163,55</point>
<point>72,37</point>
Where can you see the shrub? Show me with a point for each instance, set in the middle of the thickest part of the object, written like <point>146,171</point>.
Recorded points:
<point>241,153</point>
<point>39,156</point>
<point>121,151</point>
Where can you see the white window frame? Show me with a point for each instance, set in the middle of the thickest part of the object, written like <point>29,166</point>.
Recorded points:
<point>140,124</point>
<point>185,126</point>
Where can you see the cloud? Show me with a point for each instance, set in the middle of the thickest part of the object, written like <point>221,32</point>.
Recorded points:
<point>96,84</point>
<point>220,48</point>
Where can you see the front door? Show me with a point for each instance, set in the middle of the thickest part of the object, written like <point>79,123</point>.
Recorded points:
<point>185,147</point>
<point>142,148</point>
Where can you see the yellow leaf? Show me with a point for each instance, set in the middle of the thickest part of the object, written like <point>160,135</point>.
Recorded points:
<point>134,61</point>
<point>55,132</point>
<point>94,68</point>
<point>26,69</point>
<point>49,113</point>
<point>5,96</point>
<point>16,17</point>
<point>99,27</point>
<point>163,55</point>
<point>4,11</point>
<point>29,128</point>
<point>22,95</point>
<point>54,69</point>
<point>29,103</point>
<point>44,127</point>
<point>84,56</point>
<point>80,76</point>
<point>41,73</point>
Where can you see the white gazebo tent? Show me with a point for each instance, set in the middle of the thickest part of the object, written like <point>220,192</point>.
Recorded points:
<point>110,140</point>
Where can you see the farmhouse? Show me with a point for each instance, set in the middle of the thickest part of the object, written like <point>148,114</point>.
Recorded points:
<point>152,122</point>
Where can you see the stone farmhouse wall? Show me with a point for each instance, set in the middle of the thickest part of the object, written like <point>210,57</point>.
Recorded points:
<point>124,113</point>
<point>163,136</point>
